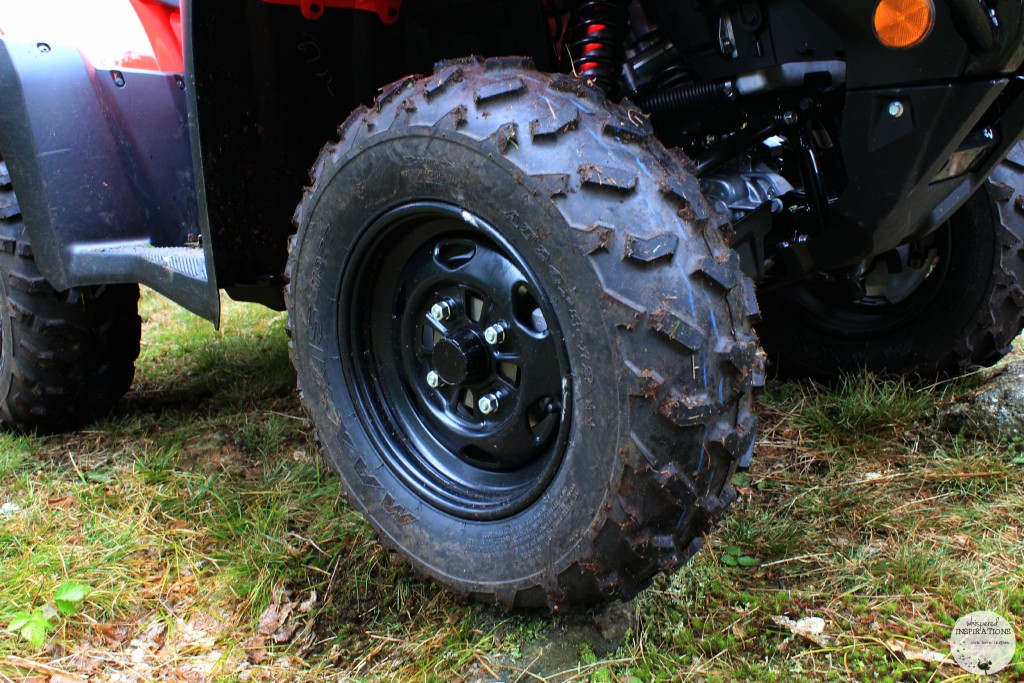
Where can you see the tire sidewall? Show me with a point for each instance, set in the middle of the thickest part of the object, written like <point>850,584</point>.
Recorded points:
<point>412,165</point>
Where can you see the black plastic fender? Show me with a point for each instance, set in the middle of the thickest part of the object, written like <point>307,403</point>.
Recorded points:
<point>102,163</point>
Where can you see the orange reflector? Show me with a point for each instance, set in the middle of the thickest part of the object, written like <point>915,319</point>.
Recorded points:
<point>901,24</point>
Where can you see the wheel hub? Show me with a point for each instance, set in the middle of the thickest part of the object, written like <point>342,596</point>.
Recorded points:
<point>468,382</point>
<point>461,358</point>
<point>890,290</point>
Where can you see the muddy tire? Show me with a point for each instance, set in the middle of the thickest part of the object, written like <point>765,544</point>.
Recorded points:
<point>964,313</point>
<point>491,232</point>
<point>65,357</point>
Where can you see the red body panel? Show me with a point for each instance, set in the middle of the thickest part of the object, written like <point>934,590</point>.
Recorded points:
<point>387,10</point>
<point>112,34</point>
<point>163,27</point>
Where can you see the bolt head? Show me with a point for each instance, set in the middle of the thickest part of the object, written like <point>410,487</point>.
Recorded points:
<point>789,118</point>
<point>896,109</point>
<point>433,380</point>
<point>442,310</point>
<point>495,334</point>
<point>488,404</point>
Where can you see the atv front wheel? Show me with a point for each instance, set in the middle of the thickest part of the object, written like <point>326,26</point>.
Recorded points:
<point>522,339</point>
<point>950,302</point>
<point>65,357</point>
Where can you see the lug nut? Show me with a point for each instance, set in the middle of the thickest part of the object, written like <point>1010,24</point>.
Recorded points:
<point>442,310</point>
<point>489,404</point>
<point>433,380</point>
<point>495,334</point>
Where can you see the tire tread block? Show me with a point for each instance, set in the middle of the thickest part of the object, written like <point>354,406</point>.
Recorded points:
<point>502,89</point>
<point>608,177</point>
<point>649,249</point>
<point>442,79</point>
<point>634,126</point>
<point>595,238</point>
<point>677,329</point>
<point>562,119</point>
<point>724,273</point>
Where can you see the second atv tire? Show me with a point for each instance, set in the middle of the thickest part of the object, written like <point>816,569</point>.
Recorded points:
<point>65,357</point>
<point>962,310</point>
<point>522,338</point>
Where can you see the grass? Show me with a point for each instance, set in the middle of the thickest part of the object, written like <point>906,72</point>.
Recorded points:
<point>218,548</point>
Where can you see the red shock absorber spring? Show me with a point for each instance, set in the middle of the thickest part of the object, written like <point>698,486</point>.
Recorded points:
<point>596,36</point>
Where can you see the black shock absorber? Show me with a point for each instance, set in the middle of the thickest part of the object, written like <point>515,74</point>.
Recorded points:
<point>596,41</point>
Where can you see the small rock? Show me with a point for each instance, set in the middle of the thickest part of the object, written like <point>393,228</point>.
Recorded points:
<point>995,410</point>
<point>614,621</point>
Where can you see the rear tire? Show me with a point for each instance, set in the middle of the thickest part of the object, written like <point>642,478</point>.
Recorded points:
<point>965,313</point>
<point>626,317</point>
<point>65,357</point>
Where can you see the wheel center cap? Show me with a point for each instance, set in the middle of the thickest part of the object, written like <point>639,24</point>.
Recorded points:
<point>461,358</point>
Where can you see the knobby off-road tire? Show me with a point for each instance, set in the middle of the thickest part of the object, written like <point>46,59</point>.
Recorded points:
<point>65,357</point>
<point>504,195</point>
<point>964,314</point>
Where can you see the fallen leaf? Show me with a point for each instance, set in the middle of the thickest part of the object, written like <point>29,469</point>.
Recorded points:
<point>963,542</point>
<point>276,614</point>
<point>256,649</point>
<point>65,678</point>
<point>284,634</point>
<point>915,654</point>
<point>113,634</point>
<point>307,605</point>
<point>84,663</point>
<point>152,638</point>
<point>809,628</point>
<point>61,501</point>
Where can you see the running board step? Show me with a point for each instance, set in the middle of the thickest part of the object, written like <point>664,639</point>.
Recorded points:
<point>178,273</point>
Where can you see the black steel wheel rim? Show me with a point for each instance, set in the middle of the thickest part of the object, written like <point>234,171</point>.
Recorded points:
<point>455,360</point>
<point>824,306</point>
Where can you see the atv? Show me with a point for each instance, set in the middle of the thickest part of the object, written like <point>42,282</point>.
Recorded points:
<point>522,290</point>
